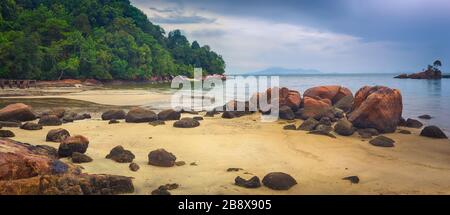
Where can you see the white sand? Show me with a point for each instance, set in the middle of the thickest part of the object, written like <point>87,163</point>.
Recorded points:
<point>416,165</point>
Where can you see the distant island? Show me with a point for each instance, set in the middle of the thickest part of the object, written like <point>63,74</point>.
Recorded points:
<point>432,72</point>
<point>102,40</point>
<point>284,71</point>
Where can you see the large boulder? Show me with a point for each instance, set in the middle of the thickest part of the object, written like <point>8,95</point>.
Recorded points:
<point>161,158</point>
<point>433,131</point>
<point>286,97</point>
<point>312,106</point>
<point>50,120</point>
<point>120,155</point>
<point>73,144</point>
<point>17,112</point>
<point>279,181</point>
<point>57,135</point>
<point>113,114</point>
<point>139,115</point>
<point>332,93</point>
<point>377,107</point>
<point>169,114</point>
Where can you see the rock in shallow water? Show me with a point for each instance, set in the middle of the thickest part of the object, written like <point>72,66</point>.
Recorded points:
<point>425,116</point>
<point>433,132</point>
<point>253,182</point>
<point>279,181</point>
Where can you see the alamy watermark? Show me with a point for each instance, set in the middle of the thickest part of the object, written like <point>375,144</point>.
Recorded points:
<point>237,93</point>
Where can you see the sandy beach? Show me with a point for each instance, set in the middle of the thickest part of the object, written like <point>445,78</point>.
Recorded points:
<point>416,165</point>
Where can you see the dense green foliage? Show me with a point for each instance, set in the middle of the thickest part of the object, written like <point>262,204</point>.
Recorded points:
<point>101,39</point>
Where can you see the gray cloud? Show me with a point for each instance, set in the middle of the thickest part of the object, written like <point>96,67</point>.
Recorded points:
<point>182,19</point>
<point>208,33</point>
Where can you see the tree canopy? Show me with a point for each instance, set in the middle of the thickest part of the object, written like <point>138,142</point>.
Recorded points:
<point>101,39</point>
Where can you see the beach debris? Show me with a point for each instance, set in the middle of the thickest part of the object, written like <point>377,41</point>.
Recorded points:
<point>157,122</point>
<point>6,133</point>
<point>80,158</point>
<point>57,135</point>
<point>186,123</point>
<point>377,107</point>
<point>308,125</point>
<point>290,127</point>
<point>169,114</point>
<point>134,167</point>
<point>17,112</point>
<point>180,163</point>
<point>31,126</point>
<point>433,132</point>
<point>382,141</point>
<point>11,124</point>
<point>279,181</point>
<point>140,115</point>
<point>233,169</point>
<point>425,116</point>
<point>120,155</point>
<point>73,144</point>
<point>413,123</point>
<point>344,127</point>
<point>253,182</point>
<point>402,131</point>
<point>50,120</point>
<point>113,114</point>
<point>162,158</point>
<point>353,179</point>
<point>286,113</point>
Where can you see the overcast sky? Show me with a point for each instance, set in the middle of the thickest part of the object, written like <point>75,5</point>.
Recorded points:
<point>343,36</point>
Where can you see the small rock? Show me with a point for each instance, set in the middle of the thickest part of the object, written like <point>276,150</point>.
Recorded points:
<point>169,114</point>
<point>290,127</point>
<point>186,123</point>
<point>80,158</point>
<point>234,169</point>
<point>253,182</point>
<point>161,158</point>
<point>180,163</point>
<point>120,155</point>
<point>50,120</point>
<point>323,130</point>
<point>113,121</point>
<point>139,115</point>
<point>31,126</point>
<point>113,114</point>
<point>353,179</point>
<point>382,141</point>
<point>198,118</point>
<point>160,192</point>
<point>157,122</point>
<point>10,124</point>
<point>344,127</point>
<point>57,135</point>
<point>308,125</point>
<point>73,144</point>
<point>172,186</point>
<point>134,167</point>
<point>6,133</point>
<point>210,114</point>
<point>228,115</point>
<point>368,132</point>
<point>325,121</point>
<point>434,132</point>
<point>286,113</point>
<point>412,123</point>
<point>404,131</point>
<point>425,116</point>
<point>193,164</point>
<point>279,181</point>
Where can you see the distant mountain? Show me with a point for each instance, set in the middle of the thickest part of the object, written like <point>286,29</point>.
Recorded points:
<point>284,71</point>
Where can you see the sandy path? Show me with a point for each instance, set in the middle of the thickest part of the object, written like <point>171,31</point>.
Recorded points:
<point>417,165</point>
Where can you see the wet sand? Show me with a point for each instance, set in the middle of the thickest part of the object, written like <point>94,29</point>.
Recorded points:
<point>416,165</point>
